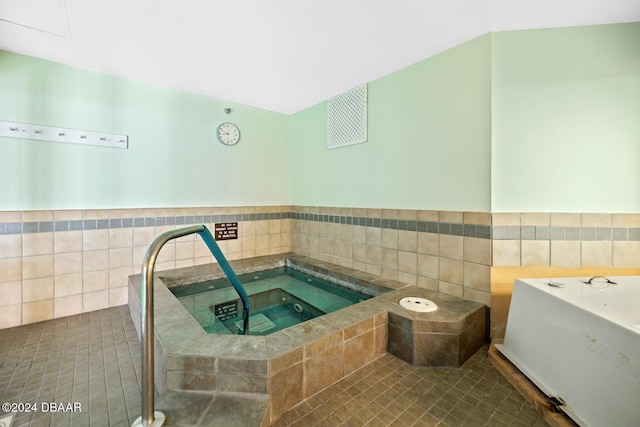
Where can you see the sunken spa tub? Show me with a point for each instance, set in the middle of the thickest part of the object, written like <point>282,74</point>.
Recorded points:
<point>578,340</point>
<point>294,363</point>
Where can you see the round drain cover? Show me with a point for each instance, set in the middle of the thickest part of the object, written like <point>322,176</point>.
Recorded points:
<point>421,305</point>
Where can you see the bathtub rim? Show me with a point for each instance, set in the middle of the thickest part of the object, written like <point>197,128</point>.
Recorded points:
<point>627,284</point>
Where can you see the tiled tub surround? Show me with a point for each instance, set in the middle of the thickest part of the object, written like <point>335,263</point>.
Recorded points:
<point>441,251</point>
<point>296,363</point>
<point>58,263</point>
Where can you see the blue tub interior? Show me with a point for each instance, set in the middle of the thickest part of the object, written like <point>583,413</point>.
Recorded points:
<point>279,297</point>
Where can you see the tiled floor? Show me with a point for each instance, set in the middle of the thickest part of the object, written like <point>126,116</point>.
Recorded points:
<point>94,359</point>
<point>390,392</point>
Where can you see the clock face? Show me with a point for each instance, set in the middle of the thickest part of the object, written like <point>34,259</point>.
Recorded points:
<point>228,133</point>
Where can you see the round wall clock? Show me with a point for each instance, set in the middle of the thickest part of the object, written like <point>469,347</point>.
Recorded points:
<point>228,133</point>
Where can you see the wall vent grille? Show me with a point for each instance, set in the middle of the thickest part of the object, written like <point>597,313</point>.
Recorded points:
<point>347,118</point>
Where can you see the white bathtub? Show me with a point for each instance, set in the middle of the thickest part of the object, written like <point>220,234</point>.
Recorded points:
<point>580,343</point>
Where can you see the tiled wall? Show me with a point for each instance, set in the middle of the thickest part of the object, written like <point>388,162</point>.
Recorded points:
<point>445,251</point>
<point>569,240</point>
<point>58,263</point>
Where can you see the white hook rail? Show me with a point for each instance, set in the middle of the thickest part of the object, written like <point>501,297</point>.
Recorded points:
<point>57,134</point>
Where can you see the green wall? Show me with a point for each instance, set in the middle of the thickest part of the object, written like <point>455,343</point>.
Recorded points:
<point>566,120</point>
<point>173,158</point>
<point>428,140</point>
<point>518,121</point>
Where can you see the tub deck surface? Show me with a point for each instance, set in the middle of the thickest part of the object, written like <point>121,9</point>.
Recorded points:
<point>294,364</point>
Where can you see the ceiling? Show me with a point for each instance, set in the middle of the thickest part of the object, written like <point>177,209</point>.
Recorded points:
<point>280,55</point>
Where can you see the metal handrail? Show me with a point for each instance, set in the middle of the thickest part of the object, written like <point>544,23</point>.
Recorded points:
<point>231,275</point>
<point>149,417</point>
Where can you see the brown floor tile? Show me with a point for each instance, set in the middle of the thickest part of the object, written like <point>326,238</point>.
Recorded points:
<point>94,359</point>
<point>390,392</point>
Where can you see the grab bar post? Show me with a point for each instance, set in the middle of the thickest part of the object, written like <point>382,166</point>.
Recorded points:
<point>149,417</point>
